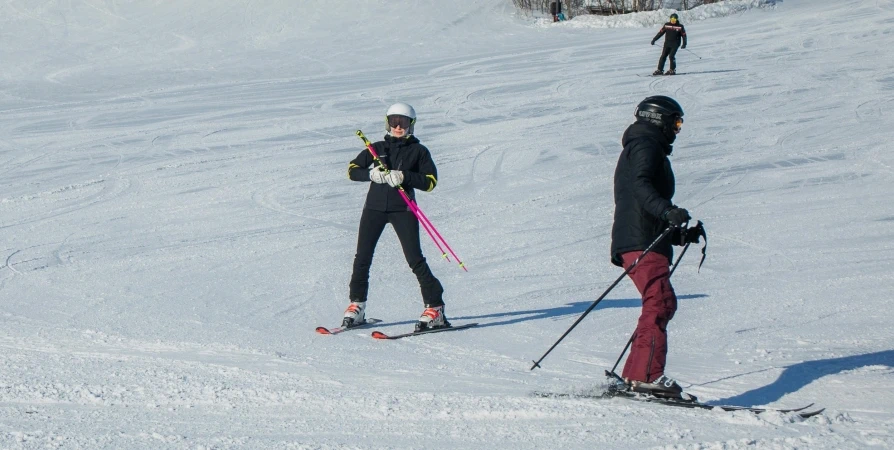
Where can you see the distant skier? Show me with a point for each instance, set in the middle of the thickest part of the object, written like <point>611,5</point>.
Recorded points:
<point>643,189</point>
<point>412,168</point>
<point>673,32</point>
<point>555,8</point>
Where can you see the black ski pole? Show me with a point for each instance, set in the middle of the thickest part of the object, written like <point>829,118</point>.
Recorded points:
<point>677,263</point>
<point>690,51</point>
<point>646,251</point>
<point>630,341</point>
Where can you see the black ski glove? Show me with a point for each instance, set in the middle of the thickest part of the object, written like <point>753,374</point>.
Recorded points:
<point>653,42</point>
<point>677,216</point>
<point>684,46</point>
<point>683,236</point>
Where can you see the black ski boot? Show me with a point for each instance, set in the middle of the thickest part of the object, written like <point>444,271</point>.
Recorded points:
<point>658,72</point>
<point>663,387</point>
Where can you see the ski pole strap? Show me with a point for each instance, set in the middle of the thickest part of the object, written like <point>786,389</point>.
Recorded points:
<point>701,232</point>
<point>699,227</point>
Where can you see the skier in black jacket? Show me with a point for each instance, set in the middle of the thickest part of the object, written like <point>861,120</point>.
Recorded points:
<point>673,32</point>
<point>643,189</point>
<point>411,168</point>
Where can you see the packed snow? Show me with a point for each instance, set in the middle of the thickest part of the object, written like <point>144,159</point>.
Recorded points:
<point>176,220</point>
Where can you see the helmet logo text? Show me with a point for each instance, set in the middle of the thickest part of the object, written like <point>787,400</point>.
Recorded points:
<point>649,115</point>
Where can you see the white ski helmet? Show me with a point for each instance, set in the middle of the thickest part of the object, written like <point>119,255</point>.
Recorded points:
<point>401,109</point>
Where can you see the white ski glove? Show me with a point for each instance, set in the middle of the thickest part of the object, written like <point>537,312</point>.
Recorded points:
<point>377,175</point>
<point>394,178</point>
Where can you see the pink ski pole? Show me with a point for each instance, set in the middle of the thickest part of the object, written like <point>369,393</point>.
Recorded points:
<point>429,227</point>
<point>413,207</point>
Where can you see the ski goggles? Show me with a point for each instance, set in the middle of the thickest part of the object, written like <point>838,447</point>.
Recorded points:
<point>678,124</point>
<point>399,121</point>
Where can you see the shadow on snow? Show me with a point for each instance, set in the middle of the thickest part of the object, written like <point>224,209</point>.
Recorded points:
<point>796,376</point>
<point>711,71</point>
<point>568,309</point>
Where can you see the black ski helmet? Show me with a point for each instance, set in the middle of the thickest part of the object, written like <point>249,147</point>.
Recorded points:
<point>675,16</point>
<point>659,110</point>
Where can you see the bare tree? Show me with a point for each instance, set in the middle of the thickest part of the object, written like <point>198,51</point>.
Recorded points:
<point>608,7</point>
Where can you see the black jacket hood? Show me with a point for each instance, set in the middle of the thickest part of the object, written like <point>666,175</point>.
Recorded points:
<point>648,130</point>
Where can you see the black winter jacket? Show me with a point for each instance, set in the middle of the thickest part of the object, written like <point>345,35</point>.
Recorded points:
<point>675,33</point>
<point>644,187</point>
<point>404,154</point>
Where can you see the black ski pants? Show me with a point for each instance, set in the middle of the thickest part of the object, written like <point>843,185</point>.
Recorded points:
<point>405,224</point>
<point>668,52</point>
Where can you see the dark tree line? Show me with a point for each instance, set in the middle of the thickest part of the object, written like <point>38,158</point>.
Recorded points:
<point>572,8</point>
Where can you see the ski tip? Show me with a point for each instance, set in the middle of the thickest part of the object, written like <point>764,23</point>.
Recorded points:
<point>379,335</point>
<point>323,330</point>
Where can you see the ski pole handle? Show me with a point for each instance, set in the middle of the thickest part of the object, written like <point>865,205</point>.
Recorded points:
<point>372,151</point>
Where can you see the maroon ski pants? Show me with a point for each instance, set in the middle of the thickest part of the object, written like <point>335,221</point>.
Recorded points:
<point>648,352</point>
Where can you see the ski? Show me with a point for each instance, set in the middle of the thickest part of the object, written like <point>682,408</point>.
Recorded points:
<point>677,402</point>
<point>380,335</point>
<point>690,73</point>
<point>324,330</point>
<point>663,75</point>
<point>699,405</point>
<point>683,403</point>
<point>693,402</point>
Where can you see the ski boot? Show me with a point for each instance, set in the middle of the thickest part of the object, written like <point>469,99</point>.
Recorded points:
<point>658,72</point>
<point>354,315</point>
<point>663,387</point>
<point>615,385</point>
<point>671,72</point>
<point>433,317</point>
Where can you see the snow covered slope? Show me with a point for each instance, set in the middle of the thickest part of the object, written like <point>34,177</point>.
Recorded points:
<point>176,220</point>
